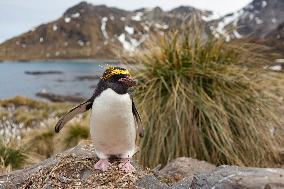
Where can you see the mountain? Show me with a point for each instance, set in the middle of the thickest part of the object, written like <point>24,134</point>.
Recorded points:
<point>88,31</point>
<point>257,20</point>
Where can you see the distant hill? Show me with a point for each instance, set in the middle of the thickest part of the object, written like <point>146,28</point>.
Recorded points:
<point>88,31</point>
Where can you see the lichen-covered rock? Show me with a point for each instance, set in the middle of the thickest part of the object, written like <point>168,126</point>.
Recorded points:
<point>232,177</point>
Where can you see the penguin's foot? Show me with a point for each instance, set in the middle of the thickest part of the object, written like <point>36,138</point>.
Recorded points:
<point>102,164</point>
<point>126,166</point>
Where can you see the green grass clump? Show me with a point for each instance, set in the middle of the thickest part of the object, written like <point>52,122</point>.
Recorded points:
<point>74,134</point>
<point>40,141</point>
<point>43,143</point>
<point>198,99</point>
<point>11,156</point>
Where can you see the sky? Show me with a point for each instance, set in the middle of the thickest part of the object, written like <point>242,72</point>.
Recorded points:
<point>18,16</point>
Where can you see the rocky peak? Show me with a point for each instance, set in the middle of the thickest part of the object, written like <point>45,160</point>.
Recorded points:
<point>157,10</point>
<point>260,17</point>
<point>279,32</point>
<point>257,20</point>
<point>81,7</point>
<point>182,10</point>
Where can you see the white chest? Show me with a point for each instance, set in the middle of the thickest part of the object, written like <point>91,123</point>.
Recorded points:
<point>109,102</point>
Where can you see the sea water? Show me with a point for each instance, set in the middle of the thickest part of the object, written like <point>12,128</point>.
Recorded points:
<point>14,81</point>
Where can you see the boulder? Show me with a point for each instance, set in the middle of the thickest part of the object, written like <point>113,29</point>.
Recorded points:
<point>43,72</point>
<point>184,167</point>
<point>150,181</point>
<point>233,177</point>
<point>60,98</point>
<point>87,77</point>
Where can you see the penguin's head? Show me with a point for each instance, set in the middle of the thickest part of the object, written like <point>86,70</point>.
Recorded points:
<point>118,76</point>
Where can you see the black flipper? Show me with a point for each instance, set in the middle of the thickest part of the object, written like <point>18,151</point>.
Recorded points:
<point>137,120</point>
<point>81,108</point>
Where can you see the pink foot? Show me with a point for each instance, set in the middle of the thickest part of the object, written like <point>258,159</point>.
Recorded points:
<point>102,164</point>
<point>126,166</point>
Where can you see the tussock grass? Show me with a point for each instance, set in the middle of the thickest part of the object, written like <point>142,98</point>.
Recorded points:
<point>11,156</point>
<point>43,143</point>
<point>29,118</point>
<point>201,97</point>
<point>74,134</point>
<point>21,101</point>
<point>40,141</point>
<point>31,112</point>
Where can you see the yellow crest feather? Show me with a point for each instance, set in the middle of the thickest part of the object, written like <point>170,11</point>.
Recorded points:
<point>114,71</point>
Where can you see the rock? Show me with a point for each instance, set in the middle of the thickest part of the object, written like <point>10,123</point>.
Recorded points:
<point>184,167</point>
<point>183,184</point>
<point>150,181</point>
<point>88,77</point>
<point>181,169</point>
<point>255,19</point>
<point>42,72</point>
<point>282,155</point>
<point>60,80</point>
<point>74,167</point>
<point>233,177</point>
<point>85,174</point>
<point>60,98</point>
<point>277,67</point>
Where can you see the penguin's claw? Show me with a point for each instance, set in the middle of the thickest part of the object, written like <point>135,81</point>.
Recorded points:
<point>102,164</point>
<point>126,166</point>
